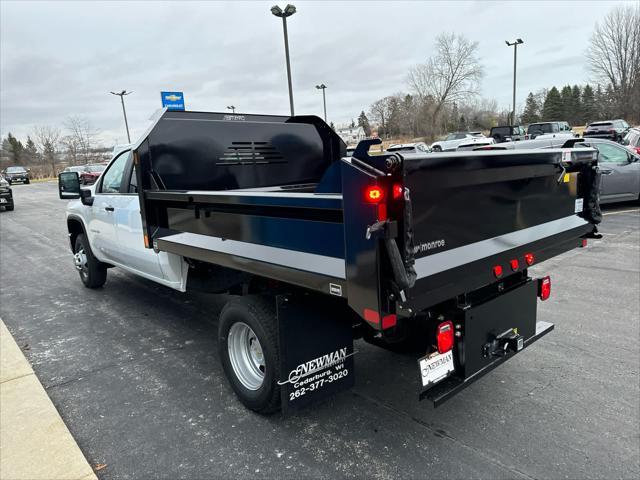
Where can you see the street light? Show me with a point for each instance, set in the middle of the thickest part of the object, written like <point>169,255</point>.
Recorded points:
<point>278,12</point>
<point>323,87</point>
<point>124,112</point>
<point>515,57</point>
<point>232,108</point>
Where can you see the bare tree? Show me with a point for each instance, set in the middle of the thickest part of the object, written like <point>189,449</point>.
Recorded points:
<point>452,74</point>
<point>48,139</point>
<point>614,57</point>
<point>80,139</point>
<point>380,112</point>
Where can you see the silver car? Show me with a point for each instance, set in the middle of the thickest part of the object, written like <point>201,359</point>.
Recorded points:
<point>620,170</point>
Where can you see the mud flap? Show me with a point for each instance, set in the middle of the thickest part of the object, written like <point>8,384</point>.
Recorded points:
<point>316,349</point>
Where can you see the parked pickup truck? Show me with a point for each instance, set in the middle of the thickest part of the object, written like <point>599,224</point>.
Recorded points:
<point>426,255</point>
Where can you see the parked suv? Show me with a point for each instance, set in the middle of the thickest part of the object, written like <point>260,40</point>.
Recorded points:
<point>16,174</point>
<point>508,133</point>
<point>91,173</point>
<point>546,128</point>
<point>610,129</point>
<point>6,195</point>
<point>451,142</point>
<point>632,140</point>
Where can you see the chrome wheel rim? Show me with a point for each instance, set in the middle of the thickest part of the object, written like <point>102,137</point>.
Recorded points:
<point>246,356</point>
<point>80,261</point>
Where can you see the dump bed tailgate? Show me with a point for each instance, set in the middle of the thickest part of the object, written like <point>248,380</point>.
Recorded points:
<point>473,212</point>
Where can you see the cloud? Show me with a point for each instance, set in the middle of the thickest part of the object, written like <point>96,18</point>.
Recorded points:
<point>63,58</point>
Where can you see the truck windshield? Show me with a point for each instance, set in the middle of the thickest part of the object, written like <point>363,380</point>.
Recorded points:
<point>540,128</point>
<point>16,170</point>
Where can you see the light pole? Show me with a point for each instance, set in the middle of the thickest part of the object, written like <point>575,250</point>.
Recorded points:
<point>278,12</point>
<point>323,87</point>
<point>232,108</point>
<point>124,112</point>
<point>515,59</point>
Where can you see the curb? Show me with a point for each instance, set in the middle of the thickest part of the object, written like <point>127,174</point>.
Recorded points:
<point>34,441</point>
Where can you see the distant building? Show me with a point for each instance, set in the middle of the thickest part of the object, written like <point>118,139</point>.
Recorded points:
<point>349,135</point>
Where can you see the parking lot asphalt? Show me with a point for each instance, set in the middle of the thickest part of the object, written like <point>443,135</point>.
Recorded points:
<point>133,369</point>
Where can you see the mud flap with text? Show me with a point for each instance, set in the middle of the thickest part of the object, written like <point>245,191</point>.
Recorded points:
<point>316,349</point>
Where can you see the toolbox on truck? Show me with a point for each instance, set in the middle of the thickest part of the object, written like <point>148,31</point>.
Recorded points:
<point>431,247</point>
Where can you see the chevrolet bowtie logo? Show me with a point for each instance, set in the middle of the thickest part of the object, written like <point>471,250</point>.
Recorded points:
<point>173,97</point>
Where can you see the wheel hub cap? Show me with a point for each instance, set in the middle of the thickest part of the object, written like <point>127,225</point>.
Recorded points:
<point>246,356</point>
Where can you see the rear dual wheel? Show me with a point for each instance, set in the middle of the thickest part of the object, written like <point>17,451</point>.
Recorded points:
<point>248,346</point>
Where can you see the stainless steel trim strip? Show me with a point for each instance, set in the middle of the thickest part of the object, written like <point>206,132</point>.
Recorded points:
<point>439,262</point>
<point>309,262</point>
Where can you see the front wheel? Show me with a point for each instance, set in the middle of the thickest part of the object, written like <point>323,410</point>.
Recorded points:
<point>9,208</point>
<point>27,182</point>
<point>437,148</point>
<point>93,272</point>
<point>248,346</point>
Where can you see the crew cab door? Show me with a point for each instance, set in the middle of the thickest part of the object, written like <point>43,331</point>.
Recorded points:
<point>101,222</point>
<point>132,253</point>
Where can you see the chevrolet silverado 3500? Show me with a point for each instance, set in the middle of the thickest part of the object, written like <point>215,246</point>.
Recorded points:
<point>425,254</point>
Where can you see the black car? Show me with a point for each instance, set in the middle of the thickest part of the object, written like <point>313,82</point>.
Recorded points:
<point>6,195</point>
<point>16,174</point>
<point>610,129</point>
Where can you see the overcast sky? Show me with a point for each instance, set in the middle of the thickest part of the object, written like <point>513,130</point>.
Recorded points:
<point>63,58</point>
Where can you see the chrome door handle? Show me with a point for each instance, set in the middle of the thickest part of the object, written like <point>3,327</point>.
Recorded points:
<point>109,208</point>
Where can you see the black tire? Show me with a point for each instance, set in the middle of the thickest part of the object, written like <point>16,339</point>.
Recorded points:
<point>259,313</point>
<point>94,273</point>
<point>437,148</point>
<point>9,208</point>
<point>27,182</point>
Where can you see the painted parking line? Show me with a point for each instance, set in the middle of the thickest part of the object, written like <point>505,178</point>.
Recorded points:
<point>622,211</point>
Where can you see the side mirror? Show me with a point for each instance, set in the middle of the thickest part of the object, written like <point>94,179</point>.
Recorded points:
<point>68,185</point>
<point>85,197</point>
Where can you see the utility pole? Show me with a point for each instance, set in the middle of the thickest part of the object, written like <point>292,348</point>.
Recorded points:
<point>515,59</point>
<point>287,12</point>
<point>323,87</point>
<point>124,111</point>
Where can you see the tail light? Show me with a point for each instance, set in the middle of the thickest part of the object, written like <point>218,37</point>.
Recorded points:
<point>397,191</point>
<point>637,150</point>
<point>444,337</point>
<point>497,271</point>
<point>514,264</point>
<point>374,194</point>
<point>529,258</point>
<point>544,288</point>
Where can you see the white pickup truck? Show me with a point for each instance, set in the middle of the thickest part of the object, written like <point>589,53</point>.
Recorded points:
<point>110,216</point>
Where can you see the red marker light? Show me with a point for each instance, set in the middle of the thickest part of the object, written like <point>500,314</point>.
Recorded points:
<point>444,337</point>
<point>529,258</point>
<point>544,288</point>
<point>397,191</point>
<point>497,271</point>
<point>514,264</point>
<point>373,194</point>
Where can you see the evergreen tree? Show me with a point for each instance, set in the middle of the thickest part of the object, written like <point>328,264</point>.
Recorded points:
<point>531,110</point>
<point>15,150</point>
<point>352,124</point>
<point>553,107</point>
<point>589,111</point>
<point>577,117</point>
<point>30,152</point>
<point>567,103</point>
<point>363,122</point>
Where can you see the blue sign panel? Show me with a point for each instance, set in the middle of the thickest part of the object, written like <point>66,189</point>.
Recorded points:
<point>172,100</point>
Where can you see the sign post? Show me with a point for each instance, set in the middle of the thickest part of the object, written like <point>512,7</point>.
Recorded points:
<point>172,100</point>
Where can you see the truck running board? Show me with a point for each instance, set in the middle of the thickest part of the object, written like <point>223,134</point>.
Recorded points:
<point>449,387</point>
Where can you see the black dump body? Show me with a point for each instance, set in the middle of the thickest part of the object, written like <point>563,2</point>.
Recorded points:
<point>276,197</point>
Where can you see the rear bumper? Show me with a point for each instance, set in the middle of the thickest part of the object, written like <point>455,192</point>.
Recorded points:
<point>451,386</point>
<point>607,136</point>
